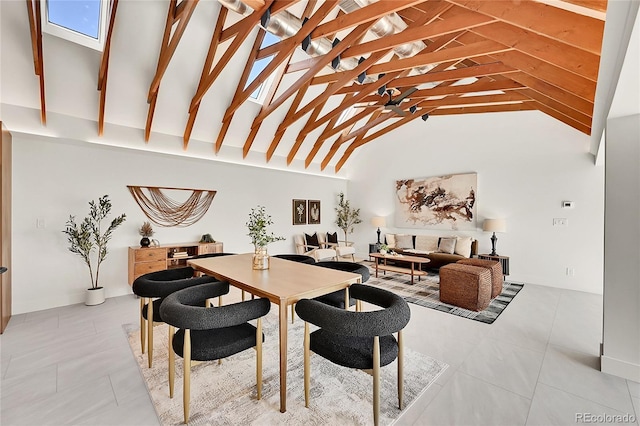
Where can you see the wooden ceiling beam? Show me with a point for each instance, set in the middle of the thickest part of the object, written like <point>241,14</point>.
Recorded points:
<point>409,35</point>
<point>208,63</point>
<point>286,122</point>
<point>599,5</point>
<point>366,14</point>
<point>103,73</point>
<point>567,57</point>
<point>512,96</point>
<point>308,10</point>
<point>480,70</point>
<point>248,25</point>
<point>337,144</point>
<point>560,107</point>
<point>439,43</point>
<point>522,106</point>
<point>243,81</point>
<point>450,54</point>
<point>35,28</point>
<point>479,86</point>
<point>322,61</point>
<point>577,30</point>
<point>373,136</point>
<point>287,48</point>
<point>179,16</point>
<point>554,92</point>
<point>581,127</point>
<point>299,140</point>
<point>276,8</point>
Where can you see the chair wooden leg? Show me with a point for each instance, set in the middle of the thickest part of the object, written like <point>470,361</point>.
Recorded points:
<point>219,301</point>
<point>143,327</point>
<point>172,361</point>
<point>307,364</point>
<point>259,358</point>
<point>186,355</point>
<point>376,380</point>
<point>150,331</point>
<point>400,370</point>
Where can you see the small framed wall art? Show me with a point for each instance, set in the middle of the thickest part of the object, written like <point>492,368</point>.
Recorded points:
<point>299,212</point>
<point>314,212</point>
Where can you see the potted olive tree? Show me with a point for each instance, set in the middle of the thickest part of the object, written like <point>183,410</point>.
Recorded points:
<point>87,240</point>
<point>346,216</point>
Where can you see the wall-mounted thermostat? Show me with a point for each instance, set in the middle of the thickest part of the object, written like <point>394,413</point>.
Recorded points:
<point>568,204</point>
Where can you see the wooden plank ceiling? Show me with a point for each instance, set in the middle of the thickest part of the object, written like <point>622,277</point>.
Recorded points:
<point>478,57</point>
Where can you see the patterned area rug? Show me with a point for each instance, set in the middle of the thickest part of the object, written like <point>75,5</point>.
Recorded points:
<point>426,292</point>
<point>226,394</point>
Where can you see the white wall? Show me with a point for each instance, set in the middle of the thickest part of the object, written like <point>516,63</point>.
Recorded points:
<point>527,164</point>
<point>54,178</point>
<point>621,322</point>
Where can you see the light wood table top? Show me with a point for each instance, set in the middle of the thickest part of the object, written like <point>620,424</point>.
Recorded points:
<point>284,283</point>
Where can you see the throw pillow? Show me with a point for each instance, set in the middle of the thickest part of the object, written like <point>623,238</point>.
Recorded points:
<point>391,240</point>
<point>447,245</point>
<point>426,243</point>
<point>404,241</point>
<point>332,238</point>
<point>312,240</point>
<point>463,246</point>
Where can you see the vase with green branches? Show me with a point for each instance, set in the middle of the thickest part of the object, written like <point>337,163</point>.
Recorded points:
<point>88,239</point>
<point>346,216</point>
<point>260,237</point>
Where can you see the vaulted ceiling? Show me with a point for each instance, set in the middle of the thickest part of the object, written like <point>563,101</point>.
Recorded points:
<point>346,72</point>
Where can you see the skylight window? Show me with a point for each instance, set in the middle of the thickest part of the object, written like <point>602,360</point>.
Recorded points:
<point>79,21</point>
<point>258,66</point>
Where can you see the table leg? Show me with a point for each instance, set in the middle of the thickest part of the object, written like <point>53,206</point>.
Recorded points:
<point>411,272</point>
<point>283,356</point>
<point>376,261</point>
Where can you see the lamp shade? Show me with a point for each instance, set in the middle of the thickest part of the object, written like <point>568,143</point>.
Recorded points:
<point>378,221</point>
<point>494,225</point>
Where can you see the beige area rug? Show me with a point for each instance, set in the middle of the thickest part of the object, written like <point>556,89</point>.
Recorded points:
<point>226,394</point>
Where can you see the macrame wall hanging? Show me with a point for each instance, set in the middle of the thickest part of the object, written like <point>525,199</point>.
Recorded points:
<point>164,211</point>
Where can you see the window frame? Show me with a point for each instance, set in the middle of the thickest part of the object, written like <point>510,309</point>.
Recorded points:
<point>75,36</point>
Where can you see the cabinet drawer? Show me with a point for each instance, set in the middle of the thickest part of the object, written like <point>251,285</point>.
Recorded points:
<point>150,254</point>
<point>146,267</point>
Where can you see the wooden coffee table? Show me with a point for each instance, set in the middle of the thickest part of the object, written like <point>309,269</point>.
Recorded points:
<point>415,262</point>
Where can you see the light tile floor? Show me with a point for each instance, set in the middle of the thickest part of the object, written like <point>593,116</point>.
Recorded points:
<point>536,365</point>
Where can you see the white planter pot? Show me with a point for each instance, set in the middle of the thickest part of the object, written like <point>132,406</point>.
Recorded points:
<point>94,296</point>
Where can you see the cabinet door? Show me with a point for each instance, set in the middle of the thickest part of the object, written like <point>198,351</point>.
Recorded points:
<point>207,248</point>
<point>150,254</point>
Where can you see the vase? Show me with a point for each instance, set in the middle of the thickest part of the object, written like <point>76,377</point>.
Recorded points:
<point>94,296</point>
<point>145,242</point>
<point>261,258</point>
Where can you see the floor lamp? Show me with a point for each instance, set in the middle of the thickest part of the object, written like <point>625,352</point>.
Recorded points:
<point>494,225</point>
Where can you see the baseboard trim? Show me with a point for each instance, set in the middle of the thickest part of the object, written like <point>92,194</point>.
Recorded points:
<point>620,368</point>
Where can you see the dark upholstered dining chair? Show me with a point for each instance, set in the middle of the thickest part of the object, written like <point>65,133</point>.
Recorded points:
<point>152,288</point>
<point>302,258</point>
<point>337,297</point>
<point>361,340</point>
<point>211,333</point>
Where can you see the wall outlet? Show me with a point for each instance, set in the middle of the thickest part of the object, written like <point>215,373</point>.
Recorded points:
<point>560,221</point>
<point>571,272</point>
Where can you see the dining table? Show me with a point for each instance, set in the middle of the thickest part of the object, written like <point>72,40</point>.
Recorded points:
<point>284,283</point>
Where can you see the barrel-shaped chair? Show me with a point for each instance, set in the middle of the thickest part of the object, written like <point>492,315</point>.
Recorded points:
<point>152,288</point>
<point>337,298</point>
<point>211,333</point>
<point>360,340</point>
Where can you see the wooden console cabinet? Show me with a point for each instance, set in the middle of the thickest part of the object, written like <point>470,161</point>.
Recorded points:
<point>165,256</point>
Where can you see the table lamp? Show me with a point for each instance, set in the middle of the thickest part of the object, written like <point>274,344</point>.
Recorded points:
<point>494,225</point>
<point>379,222</point>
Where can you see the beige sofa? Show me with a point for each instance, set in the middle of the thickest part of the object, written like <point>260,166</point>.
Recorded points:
<point>439,250</point>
